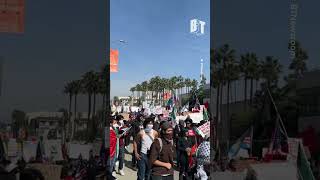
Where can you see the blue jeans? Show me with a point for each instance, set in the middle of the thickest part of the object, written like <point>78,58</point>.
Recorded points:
<point>144,169</point>
<point>111,162</point>
<point>121,157</point>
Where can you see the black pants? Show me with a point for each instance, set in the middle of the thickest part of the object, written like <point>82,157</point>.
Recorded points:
<point>133,161</point>
<point>162,177</point>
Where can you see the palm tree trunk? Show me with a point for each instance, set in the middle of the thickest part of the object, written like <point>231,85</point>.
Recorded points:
<point>104,105</point>
<point>89,113</point>
<point>218,101</point>
<point>74,117</point>
<point>94,105</point>
<point>251,90</point>
<point>245,93</point>
<point>69,116</point>
<point>228,106</point>
<point>235,90</point>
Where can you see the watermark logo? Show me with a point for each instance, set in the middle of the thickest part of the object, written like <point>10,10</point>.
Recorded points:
<point>197,27</point>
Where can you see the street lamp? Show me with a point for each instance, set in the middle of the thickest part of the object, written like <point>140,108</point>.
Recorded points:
<point>119,41</point>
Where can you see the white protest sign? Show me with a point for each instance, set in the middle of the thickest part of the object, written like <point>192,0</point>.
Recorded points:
<point>158,110</point>
<point>13,148</point>
<point>293,144</point>
<point>76,149</point>
<point>96,148</point>
<point>205,129</point>
<point>53,149</point>
<point>29,150</point>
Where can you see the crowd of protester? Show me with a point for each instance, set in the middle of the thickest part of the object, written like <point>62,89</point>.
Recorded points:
<point>160,146</point>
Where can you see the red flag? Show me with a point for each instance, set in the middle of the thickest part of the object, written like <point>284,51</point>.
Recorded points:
<point>114,60</point>
<point>12,16</point>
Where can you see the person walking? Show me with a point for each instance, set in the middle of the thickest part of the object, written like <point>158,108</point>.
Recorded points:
<point>203,159</point>
<point>135,129</point>
<point>113,145</point>
<point>184,148</point>
<point>122,136</point>
<point>161,154</point>
<point>142,146</point>
<point>178,132</point>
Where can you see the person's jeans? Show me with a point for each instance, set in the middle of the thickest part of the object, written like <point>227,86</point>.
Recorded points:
<point>121,157</point>
<point>111,163</point>
<point>162,177</point>
<point>144,169</point>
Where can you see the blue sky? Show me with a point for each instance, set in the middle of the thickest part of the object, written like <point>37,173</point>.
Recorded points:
<point>159,40</point>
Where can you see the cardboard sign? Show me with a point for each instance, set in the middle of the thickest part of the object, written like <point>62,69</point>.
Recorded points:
<point>53,150</point>
<point>49,171</point>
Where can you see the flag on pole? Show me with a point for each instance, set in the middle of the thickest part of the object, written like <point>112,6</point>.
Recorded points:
<point>303,165</point>
<point>114,60</point>
<point>279,140</point>
<point>242,144</point>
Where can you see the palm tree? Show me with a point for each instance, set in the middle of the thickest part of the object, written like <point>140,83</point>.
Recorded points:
<point>244,68</point>
<point>187,84</point>
<point>252,72</point>
<point>77,88</point>
<point>226,56</point>
<point>180,85</point>
<point>138,89</point>
<point>88,88</point>
<point>68,89</point>
<point>95,90</point>
<point>132,90</point>
<point>194,85</point>
<point>270,71</point>
<point>144,88</point>
<point>298,64</point>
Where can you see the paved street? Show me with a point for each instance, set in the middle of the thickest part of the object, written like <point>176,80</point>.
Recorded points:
<point>131,174</point>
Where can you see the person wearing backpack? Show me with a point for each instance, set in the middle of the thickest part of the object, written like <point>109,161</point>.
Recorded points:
<point>161,154</point>
<point>142,145</point>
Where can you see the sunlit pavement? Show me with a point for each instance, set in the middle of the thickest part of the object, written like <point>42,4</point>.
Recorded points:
<point>131,174</point>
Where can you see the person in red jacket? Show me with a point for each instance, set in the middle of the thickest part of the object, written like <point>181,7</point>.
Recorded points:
<point>113,144</point>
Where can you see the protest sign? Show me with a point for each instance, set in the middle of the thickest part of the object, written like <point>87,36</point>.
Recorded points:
<point>205,129</point>
<point>96,147</point>
<point>29,150</point>
<point>49,171</point>
<point>76,149</point>
<point>158,110</point>
<point>53,150</point>
<point>293,145</point>
<point>13,148</point>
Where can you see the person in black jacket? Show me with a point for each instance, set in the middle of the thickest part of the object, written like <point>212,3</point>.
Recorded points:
<point>184,147</point>
<point>136,126</point>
